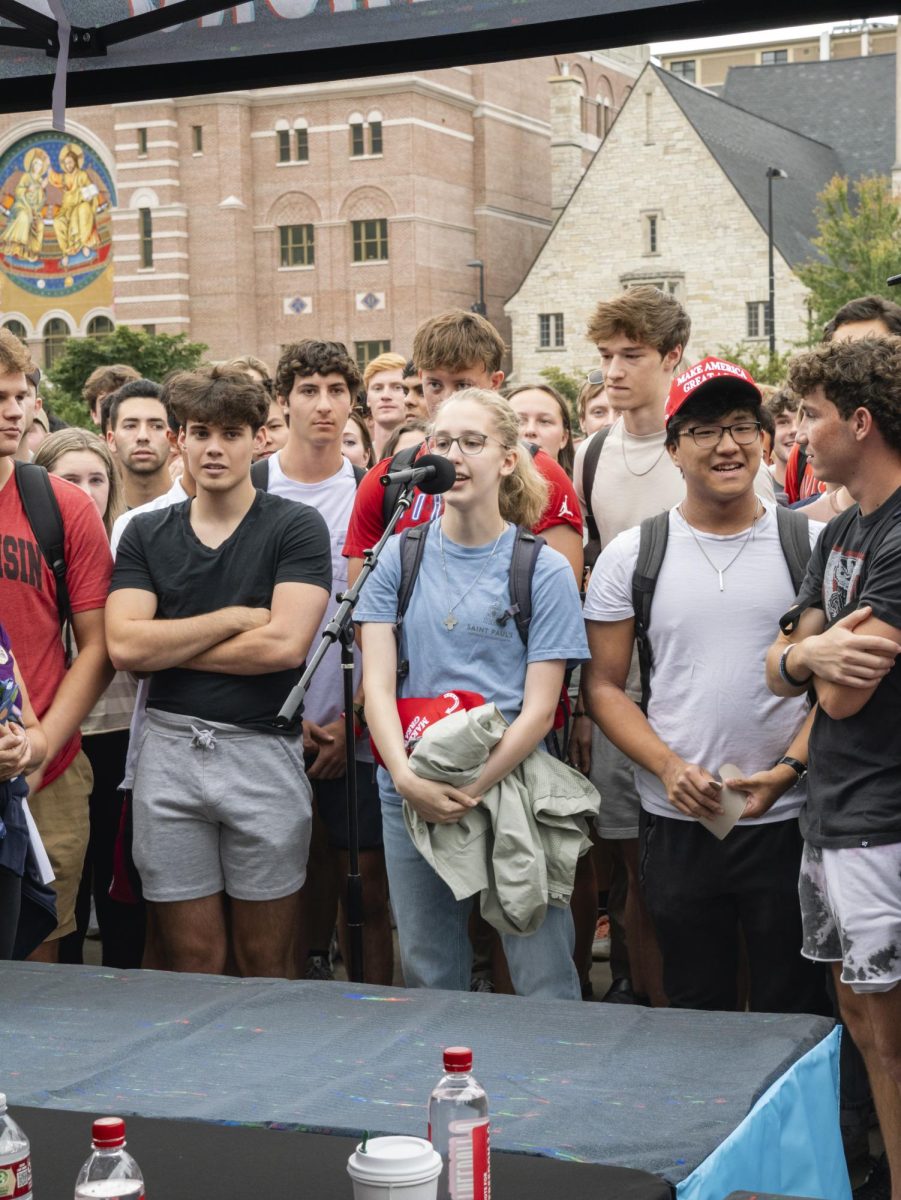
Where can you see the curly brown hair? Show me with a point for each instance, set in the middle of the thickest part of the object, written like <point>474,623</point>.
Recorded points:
<point>316,358</point>
<point>217,395</point>
<point>859,374</point>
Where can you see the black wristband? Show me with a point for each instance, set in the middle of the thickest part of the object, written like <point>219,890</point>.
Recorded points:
<point>786,674</point>
<point>579,712</point>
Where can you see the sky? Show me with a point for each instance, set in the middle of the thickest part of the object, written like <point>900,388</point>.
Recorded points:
<point>743,39</point>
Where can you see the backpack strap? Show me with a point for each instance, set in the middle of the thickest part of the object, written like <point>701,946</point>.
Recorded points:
<point>651,551</point>
<point>526,548</point>
<point>794,537</point>
<point>391,494</point>
<point>43,514</point>
<point>259,474</point>
<point>412,548</point>
<point>589,470</point>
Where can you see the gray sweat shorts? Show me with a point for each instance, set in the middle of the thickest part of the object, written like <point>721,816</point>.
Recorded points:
<point>219,808</point>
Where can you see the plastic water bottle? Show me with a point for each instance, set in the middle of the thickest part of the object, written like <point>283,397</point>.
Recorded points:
<point>15,1158</point>
<point>458,1129</point>
<point>110,1172</point>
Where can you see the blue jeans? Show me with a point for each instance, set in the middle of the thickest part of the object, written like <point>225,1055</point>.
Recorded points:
<point>433,927</point>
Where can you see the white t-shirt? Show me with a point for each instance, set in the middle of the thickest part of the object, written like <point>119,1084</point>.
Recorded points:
<point>709,699</point>
<point>636,478</point>
<point>333,498</point>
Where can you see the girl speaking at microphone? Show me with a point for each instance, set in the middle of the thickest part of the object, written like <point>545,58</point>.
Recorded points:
<point>453,637</point>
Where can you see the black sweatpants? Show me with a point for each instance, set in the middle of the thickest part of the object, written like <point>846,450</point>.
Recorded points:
<point>121,925</point>
<point>703,894</point>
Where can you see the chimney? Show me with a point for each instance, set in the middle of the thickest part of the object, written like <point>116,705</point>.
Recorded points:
<point>825,45</point>
<point>566,139</point>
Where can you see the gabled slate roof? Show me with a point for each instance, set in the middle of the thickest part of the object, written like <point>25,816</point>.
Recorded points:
<point>745,145</point>
<point>848,103</point>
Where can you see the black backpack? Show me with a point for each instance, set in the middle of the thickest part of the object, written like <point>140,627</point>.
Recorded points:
<point>794,538</point>
<point>259,474</point>
<point>526,548</point>
<point>46,521</point>
<point>589,470</point>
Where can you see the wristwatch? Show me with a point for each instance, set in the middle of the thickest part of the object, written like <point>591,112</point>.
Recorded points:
<point>799,768</point>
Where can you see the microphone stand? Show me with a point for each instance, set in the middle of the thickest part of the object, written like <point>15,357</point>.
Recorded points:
<point>340,629</point>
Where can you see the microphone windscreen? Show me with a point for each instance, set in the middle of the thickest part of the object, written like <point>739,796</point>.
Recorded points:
<point>442,480</point>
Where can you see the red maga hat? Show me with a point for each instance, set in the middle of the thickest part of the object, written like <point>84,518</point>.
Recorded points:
<point>710,372</point>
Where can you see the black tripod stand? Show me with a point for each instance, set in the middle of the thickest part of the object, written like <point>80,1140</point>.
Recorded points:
<point>340,629</point>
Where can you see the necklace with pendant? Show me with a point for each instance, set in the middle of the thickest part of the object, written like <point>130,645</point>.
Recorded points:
<point>721,571</point>
<point>450,621</point>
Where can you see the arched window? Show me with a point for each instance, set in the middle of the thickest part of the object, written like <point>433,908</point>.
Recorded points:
<point>16,328</point>
<point>100,327</point>
<point>56,334</point>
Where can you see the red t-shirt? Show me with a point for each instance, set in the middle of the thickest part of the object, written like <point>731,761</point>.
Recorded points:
<point>28,592</point>
<point>367,524</point>
<point>810,485</point>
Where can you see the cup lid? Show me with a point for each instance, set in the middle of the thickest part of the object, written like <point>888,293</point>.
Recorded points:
<point>396,1158</point>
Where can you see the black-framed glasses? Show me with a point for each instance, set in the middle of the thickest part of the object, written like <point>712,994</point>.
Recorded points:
<point>595,377</point>
<point>469,443</point>
<point>744,433</point>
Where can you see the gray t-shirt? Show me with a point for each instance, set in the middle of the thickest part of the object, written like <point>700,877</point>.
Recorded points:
<point>854,781</point>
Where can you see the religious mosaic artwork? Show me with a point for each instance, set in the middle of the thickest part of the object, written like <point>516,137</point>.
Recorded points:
<point>56,196</point>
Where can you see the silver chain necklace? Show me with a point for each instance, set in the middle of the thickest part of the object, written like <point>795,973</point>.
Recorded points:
<point>721,571</point>
<point>638,474</point>
<point>450,620</point>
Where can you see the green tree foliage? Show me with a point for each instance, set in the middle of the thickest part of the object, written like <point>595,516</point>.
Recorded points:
<point>757,362</point>
<point>859,241</point>
<point>153,356</point>
<point>567,385</point>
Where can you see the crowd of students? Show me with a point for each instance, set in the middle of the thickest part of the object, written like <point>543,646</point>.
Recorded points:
<point>724,691</point>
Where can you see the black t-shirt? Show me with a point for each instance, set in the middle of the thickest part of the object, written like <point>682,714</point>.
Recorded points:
<point>278,541</point>
<point>854,785</point>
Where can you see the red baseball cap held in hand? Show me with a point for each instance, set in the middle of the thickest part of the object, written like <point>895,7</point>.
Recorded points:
<point>711,373</point>
<point>417,713</point>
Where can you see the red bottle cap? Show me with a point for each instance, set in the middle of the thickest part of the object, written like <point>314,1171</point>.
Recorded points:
<point>108,1132</point>
<point>458,1058</point>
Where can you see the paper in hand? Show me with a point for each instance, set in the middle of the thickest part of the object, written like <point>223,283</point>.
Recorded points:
<point>732,803</point>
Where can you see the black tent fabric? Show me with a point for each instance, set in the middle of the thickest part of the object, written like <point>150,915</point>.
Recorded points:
<point>113,50</point>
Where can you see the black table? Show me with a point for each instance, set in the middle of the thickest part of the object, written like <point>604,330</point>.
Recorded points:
<point>194,1160</point>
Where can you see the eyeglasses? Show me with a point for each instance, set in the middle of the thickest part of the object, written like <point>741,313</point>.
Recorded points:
<point>595,377</point>
<point>469,443</point>
<point>745,433</point>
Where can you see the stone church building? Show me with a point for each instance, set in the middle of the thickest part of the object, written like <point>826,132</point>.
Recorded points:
<point>677,196</point>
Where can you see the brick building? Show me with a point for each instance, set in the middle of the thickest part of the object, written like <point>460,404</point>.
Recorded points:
<point>249,219</point>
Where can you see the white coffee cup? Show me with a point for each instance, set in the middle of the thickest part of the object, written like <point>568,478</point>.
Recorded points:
<point>395,1168</point>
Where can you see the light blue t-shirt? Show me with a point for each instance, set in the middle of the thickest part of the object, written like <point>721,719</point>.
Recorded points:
<point>478,654</point>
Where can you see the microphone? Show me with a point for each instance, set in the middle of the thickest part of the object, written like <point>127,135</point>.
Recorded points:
<point>432,475</point>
